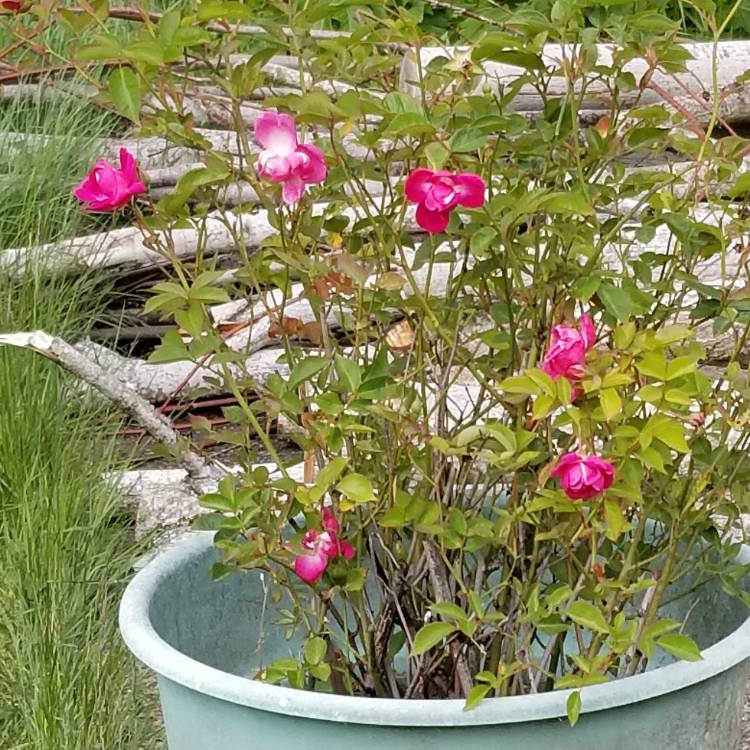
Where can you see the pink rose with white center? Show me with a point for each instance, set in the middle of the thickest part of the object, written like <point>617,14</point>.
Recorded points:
<point>295,165</point>
<point>582,477</point>
<point>108,188</point>
<point>319,548</point>
<point>438,193</point>
<point>566,355</point>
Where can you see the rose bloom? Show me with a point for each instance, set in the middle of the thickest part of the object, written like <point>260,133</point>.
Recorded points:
<point>108,188</point>
<point>582,477</point>
<point>567,350</point>
<point>438,193</point>
<point>295,165</point>
<point>319,548</point>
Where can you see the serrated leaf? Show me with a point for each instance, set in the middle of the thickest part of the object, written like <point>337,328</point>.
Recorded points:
<point>430,635</point>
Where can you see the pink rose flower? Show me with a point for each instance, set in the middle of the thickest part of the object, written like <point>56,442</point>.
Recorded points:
<point>107,188</point>
<point>438,193</point>
<point>567,350</point>
<point>295,165</point>
<point>319,548</point>
<point>582,477</point>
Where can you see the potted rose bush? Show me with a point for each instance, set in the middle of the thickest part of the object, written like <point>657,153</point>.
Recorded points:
<point>520,481</point>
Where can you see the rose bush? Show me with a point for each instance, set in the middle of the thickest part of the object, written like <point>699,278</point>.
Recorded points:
<point>485,331</point>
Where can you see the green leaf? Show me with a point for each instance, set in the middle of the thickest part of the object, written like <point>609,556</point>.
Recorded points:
<point>356,487</point>
<point>448,609</point>
<point>315,650</point>
<point>681,646</point>
<point>125,90</point>
<point>741,187</point>
<point>476,695</point>
<point>430,635</point>
<point>670,432</point>
<point>615,521</point>
<point>589,616</point>
<point>349,372</point>
<point>617,301</point>
<point>611,403</point>
<point>467,139</point>
<point>306,369</point>
<point>331,472</point>
<point>410,123</point>
<point>233,11</point>
<point>575,204</point>
<point>436,155</point>
<point>681,366</point>
<point>574,707</point>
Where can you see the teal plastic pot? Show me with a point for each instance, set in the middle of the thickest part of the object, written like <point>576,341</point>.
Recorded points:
<point>200,638</point>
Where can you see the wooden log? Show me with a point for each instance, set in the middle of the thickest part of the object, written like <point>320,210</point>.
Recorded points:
<point>164,499</point>
<point>690,92</point>
<point>217,233</point>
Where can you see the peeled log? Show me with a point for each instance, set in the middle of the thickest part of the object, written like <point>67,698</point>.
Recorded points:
<point>220,232</point>
<point>733,61</point>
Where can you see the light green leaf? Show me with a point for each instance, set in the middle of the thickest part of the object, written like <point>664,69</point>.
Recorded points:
<point>331,472</point>
<point>315,650</point>
<point>574,707</point>
<point>476,695</point>
<point>430,635</point>
<point>125,90</point>
<point>681,646</point>
<point>356,487</point>
<point>611,403</point>
<point>589,616</point>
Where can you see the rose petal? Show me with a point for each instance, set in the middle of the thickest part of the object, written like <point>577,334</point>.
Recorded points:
<point>293,190</point>
<point>418,184</point>
<point>470,188</point>
<point>432,221</point>
<point>277,133</point>
<point>314,169</point>
<point>311,567</point>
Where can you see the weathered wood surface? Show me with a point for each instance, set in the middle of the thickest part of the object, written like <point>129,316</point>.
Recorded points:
<point>690,92</point>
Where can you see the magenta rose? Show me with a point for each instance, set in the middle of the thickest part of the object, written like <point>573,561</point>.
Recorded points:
<point>582,477</point>
<point>567,350</point>
<point>319,548</point>
<point>438,193</point>
<point>283,159</point>
<point>107,188</point>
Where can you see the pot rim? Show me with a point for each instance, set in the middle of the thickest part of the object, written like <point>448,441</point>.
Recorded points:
<point>148,646</point>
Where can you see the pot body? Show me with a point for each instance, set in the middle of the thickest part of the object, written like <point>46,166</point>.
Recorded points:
<point>200,637</point>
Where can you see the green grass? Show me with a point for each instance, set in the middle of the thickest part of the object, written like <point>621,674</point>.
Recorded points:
<point>66,549</point>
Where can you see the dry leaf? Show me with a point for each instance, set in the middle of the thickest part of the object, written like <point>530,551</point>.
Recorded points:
<point>400,336</point>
